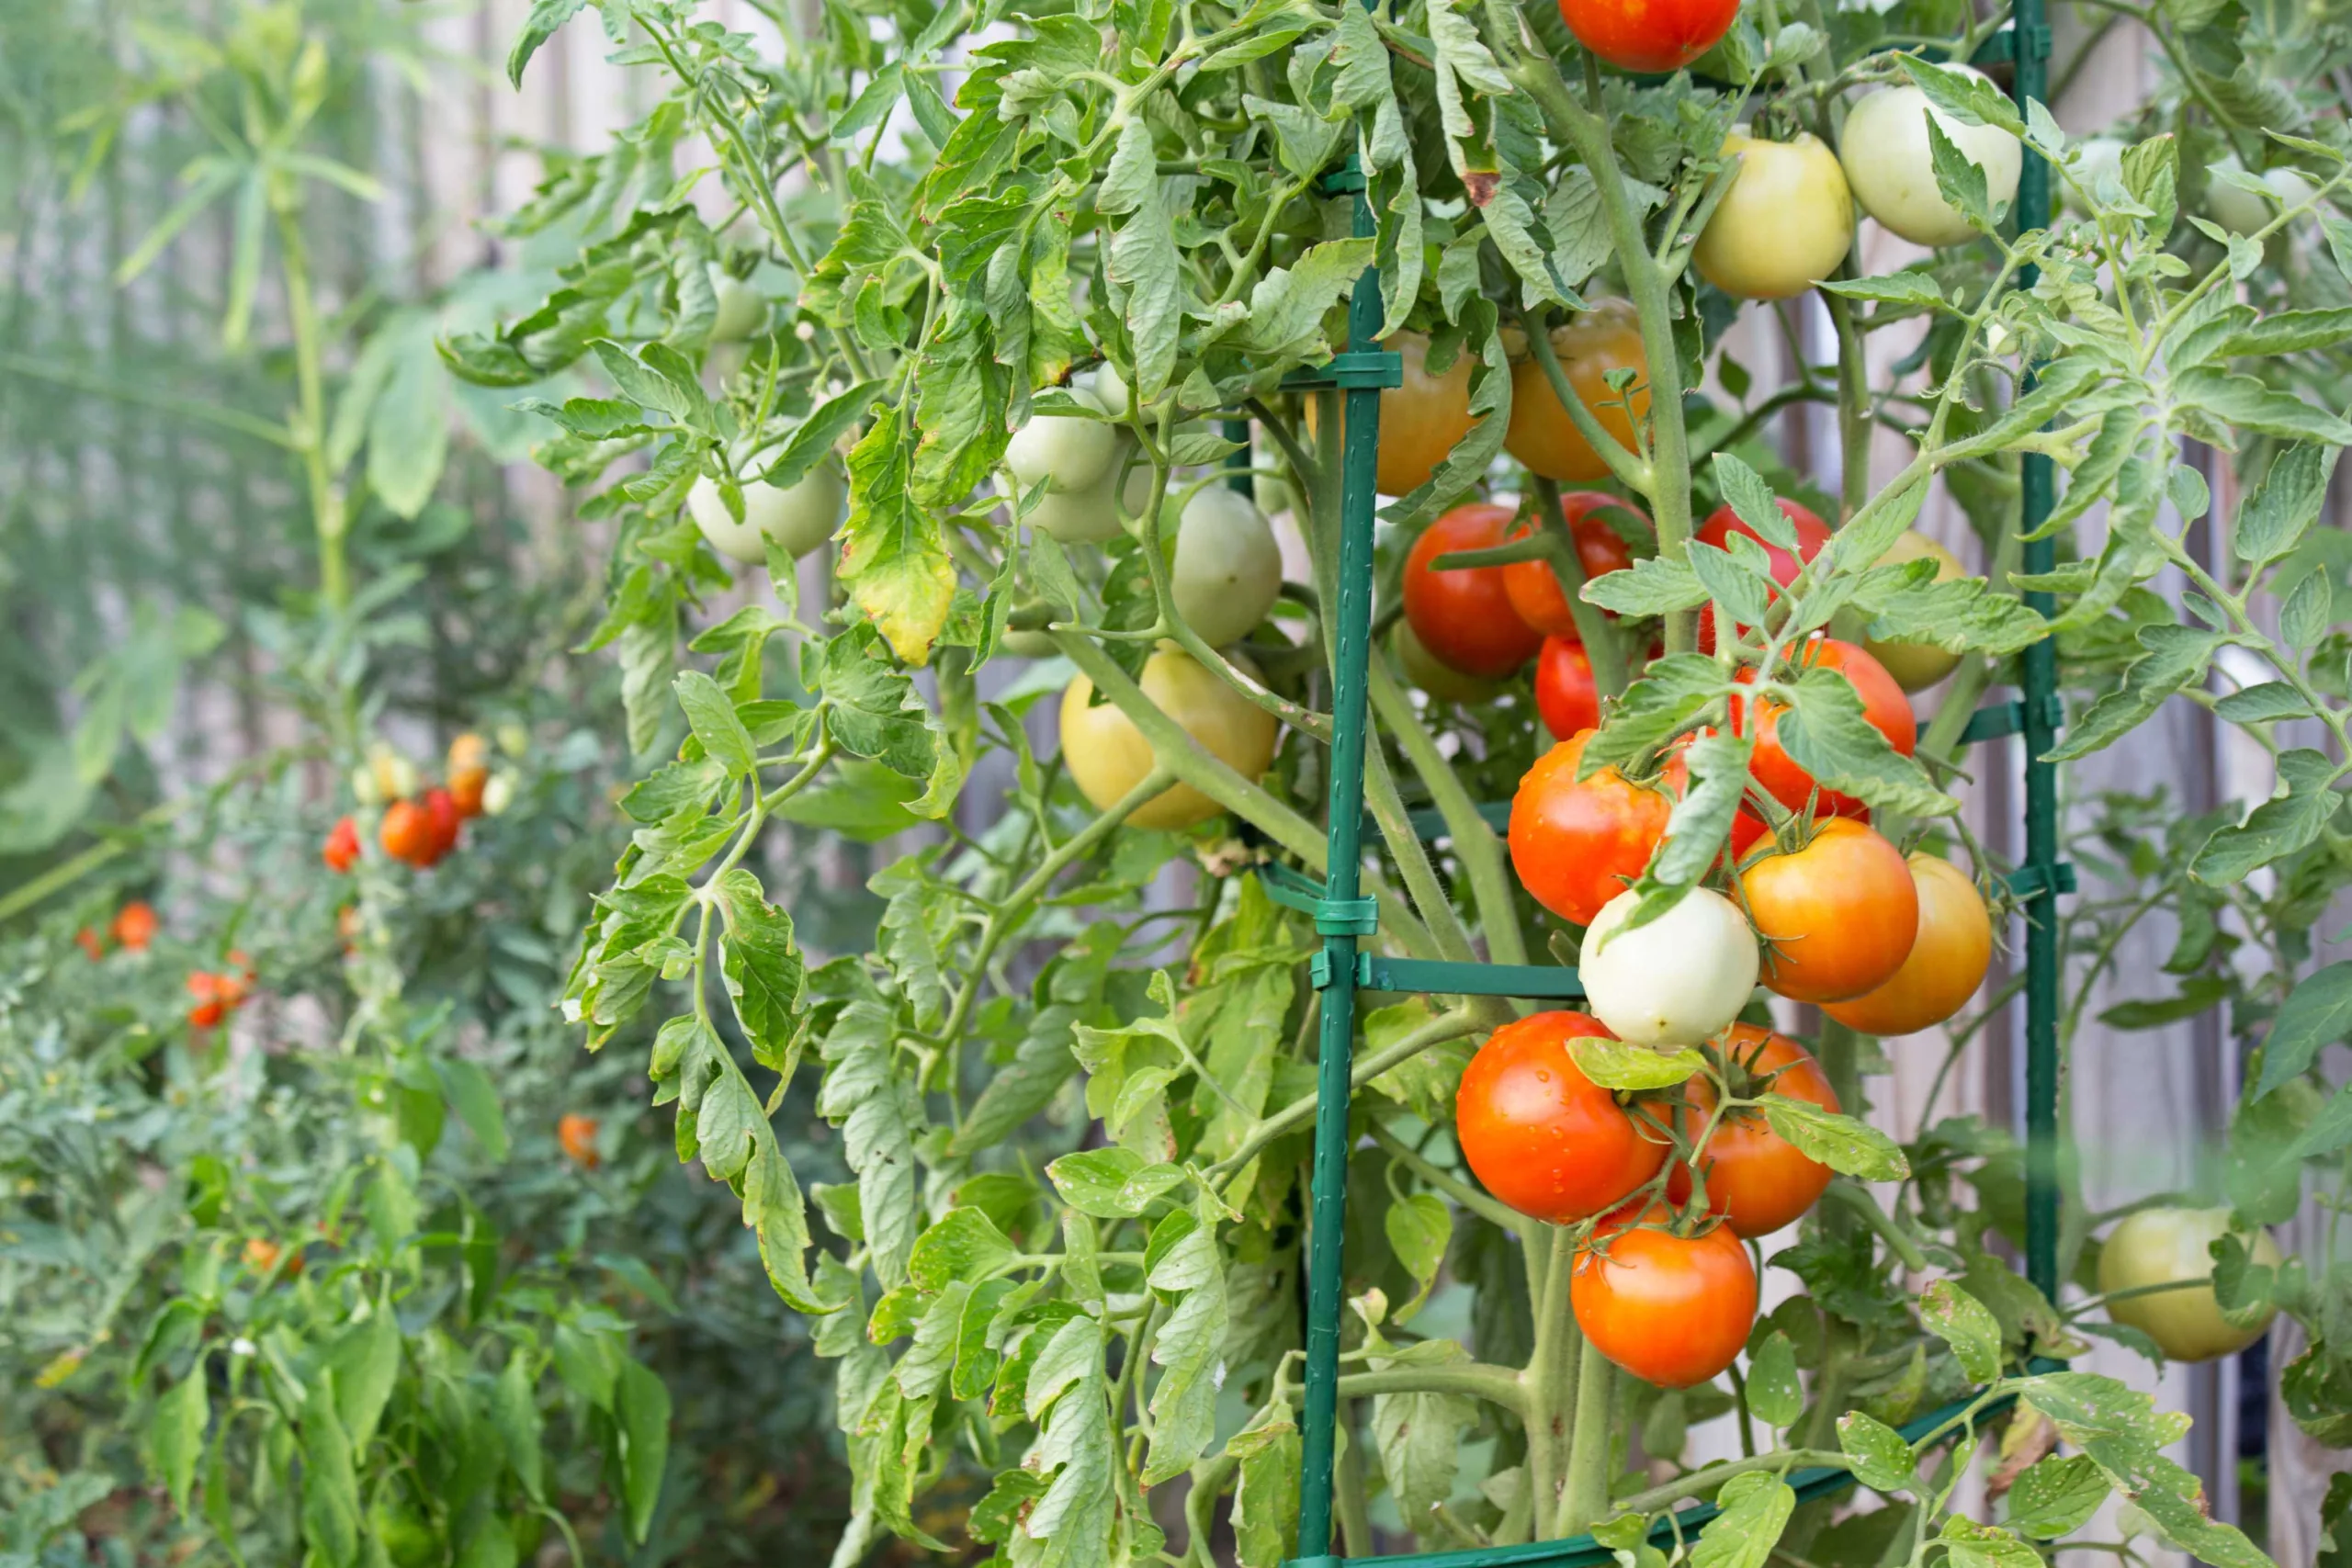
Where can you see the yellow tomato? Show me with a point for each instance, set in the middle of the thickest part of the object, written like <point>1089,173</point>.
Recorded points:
<point>1422,421</point>
<point>1946,964</point>
<point>2156,1247</point>
<point>1608,337</point>
<point>1784,225</point>
<point>1108,756</point>
<point>1917,666</point>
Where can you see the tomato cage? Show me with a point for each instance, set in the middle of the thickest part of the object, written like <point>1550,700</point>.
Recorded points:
<point>1343,917</point>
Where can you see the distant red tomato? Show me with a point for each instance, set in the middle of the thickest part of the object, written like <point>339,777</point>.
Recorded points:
<point>1464,615</point>
<point>1649,36</point>
<point>208,1007</point>
<point>442,814</point>
<point>340,851</point>
<point>92,943</point>
<point>1722,523</point>
<point>1565,693</point>
<point>135,925</point>
<point>1534,587</point>
<point>1884,704</point>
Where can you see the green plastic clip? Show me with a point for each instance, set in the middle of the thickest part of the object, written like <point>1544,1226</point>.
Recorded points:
<point>1357,368</point>
<point>2029,881</point>
<point>1995,720</point>
<point>1346,917</point>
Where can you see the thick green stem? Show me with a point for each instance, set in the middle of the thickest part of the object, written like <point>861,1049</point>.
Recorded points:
<point>1475,845</point>
<point>1351,1490</point>
<point>1699,1483</point>
<point>1551,1378</point>
<point>326,502</point>
<point>1601,645</point>
<point>1591,1461</point>
<point>1497,1385</point>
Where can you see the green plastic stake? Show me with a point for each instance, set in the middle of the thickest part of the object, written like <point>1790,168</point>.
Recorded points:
<point>1352,626</point>
<point>2041,676</point>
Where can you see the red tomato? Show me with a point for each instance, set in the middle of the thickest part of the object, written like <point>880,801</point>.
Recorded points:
<point>1756,1180</point>
<point>442,815</point>
<point>210,1005</point>
<point>1464,617</point>
<point>1534,587</point>
<point>1884,704</point>
<point>577,1133</point>
<point>407,833</point>
<point>1838,916</point>
<point>1544,1138</point>
<point>1672,1310</point>
<point>1575,846</point>
<point>342,848</point>
<point>1722,523</point>
<point>1565,692</point>
<point>1649,36</point>
<point>91,943</point>
<point>134,925</point>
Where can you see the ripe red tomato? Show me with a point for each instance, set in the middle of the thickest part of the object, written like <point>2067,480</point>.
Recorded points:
<point>1646,36</point>
<point>1672,1310</point>
<point>1565,692</point>
<point>1464,617</point>
<point>577,1133</point>
<point>1946,961</point>
<point>1756,1180</point>
<point>210,1006</point>
<point>134,925</point>
<point>1838,916</point>
<point>91,943</point>
<point>1884,704</point>
<point>1534,587</point>
<point>1575,846</point>
<point>442,816</point>
<point>407,833</point>
<point>342,848</point>
<point>1544,1138</point>
<point>1722,523</point>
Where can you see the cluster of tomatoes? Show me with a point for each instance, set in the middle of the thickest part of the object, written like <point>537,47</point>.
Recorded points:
<point>134,926</point>
<point>215,995</point>
<point>1673,1306</point>
<point>419,827</point>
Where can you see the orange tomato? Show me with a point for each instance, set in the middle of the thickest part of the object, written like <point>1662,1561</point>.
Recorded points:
<point>577,1133</point>
<point>1576,845</point>
<point>406,832</point>
<point>210,1005</point>
<point>1421,420</point>
<point>1463,616</point>
<point>262,1256</point>
<point>135,925</point>
<point>1838,915</point>
<point>469,773</point>
<point>1884,704</point>
<point>1607,337</point>
<point>1541,1136</point>
<point>1756,1180</point>
<point>1672,1310</point>
<point>1945,965</point>
<point>340,851</point>
<point>1534,587</point>
<point>91,943</point>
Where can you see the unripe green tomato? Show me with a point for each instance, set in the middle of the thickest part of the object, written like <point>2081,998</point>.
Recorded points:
<point>1892,170</point>
<point>799,519</point>
<point>1228,570</point>
<point>1071,451</point>
<point>2155,1246</point>
<point>1784,225</point>
<point>741,308</point>
<point>408,1537</point>
<point>1917,666</point>
<point>1108,388</point>
<point>1024,644</point>
<point>498,794</point>
<point>2099,157</point>
<point>1679,980</point>
<point>1090,515</point>
<point>1433,675</point>
<point>2242,211</point>
<point>1107,755</point>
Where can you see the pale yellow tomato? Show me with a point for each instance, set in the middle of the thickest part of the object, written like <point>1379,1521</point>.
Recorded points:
<point>1784,225</point>
<point>1892,170</point>
<point>1421,420</point>
<point>1107,755</point>
<point>2156,1247</point>
<point>1917,666</point>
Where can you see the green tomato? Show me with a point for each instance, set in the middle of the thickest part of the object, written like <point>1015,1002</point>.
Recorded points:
<point>1433,675</point>
<point>1917,666</point>
<point>1228,570</point>
<point>1106,386</point>
<point>799,519</point>
<point>1891,170</point>
<point>2156,1247</point>
<point>2096,159</point>
<point>1092,515</point>
<point>2242,212</point>
<point>1069,451</point>
<point>742,308</point>
<point>408,1537</point>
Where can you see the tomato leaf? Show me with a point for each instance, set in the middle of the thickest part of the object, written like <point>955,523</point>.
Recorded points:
<point>2278,827</point>
<point>1968,98</point>
<point>2056,1496</point>
<point>2272,520</point>
<point>894,557</point>
<point>1882,1459</point>
<point>1959,181</point>
<point>2317,1012</point>
<point>1613,1063</point>
<point>1756,1509</point>
<point>1653,586</point>
<point>1419,1229</point>
<point>1838,1141</point>
<point>1825,732</point>
<point>1963,1322</point>
<point>176,1433</point>
<point>716,724</point>
<point>1774,1393</point>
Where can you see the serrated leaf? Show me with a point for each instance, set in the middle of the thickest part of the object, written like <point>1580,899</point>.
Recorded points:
<point>2281,826</point>
<point>1615,1065</point>
<point>2273,519</point>
<point>1775,1394</point>
<point>1419,1228</point>
<point>1838,1141</point>
<point>2316,1013</point>
<point>1825,732</point>
<point>1965,1323</point>
<point>711,712</point>
<point>1883,1460</point>
<point>2176,656</point>
<point>1653,586</point>
<point>2056,1496</point>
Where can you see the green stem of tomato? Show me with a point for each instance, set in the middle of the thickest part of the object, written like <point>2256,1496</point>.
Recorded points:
<point>1586,1503</point>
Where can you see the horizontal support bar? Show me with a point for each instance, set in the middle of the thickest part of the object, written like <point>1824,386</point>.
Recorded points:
<point>1358,368</point>
<point>1995,720</point>
<point>1447,978</point>
<point>1583,1552</point>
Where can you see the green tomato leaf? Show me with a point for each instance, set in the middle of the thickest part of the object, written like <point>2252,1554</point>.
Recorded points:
<point>1963,1322</point>
<point>1883,1460</point>
<point>1838,1141</point>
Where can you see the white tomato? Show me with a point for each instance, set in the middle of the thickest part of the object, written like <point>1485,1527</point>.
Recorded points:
<point>1108,755</point>
<point>798,518</point>
<point>1891,170</point>
<point>1679,980</point>
<point>1228,570</point>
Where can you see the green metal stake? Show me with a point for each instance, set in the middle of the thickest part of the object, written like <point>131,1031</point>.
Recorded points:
<point>1342,888</point>
<point>2041,675</point>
